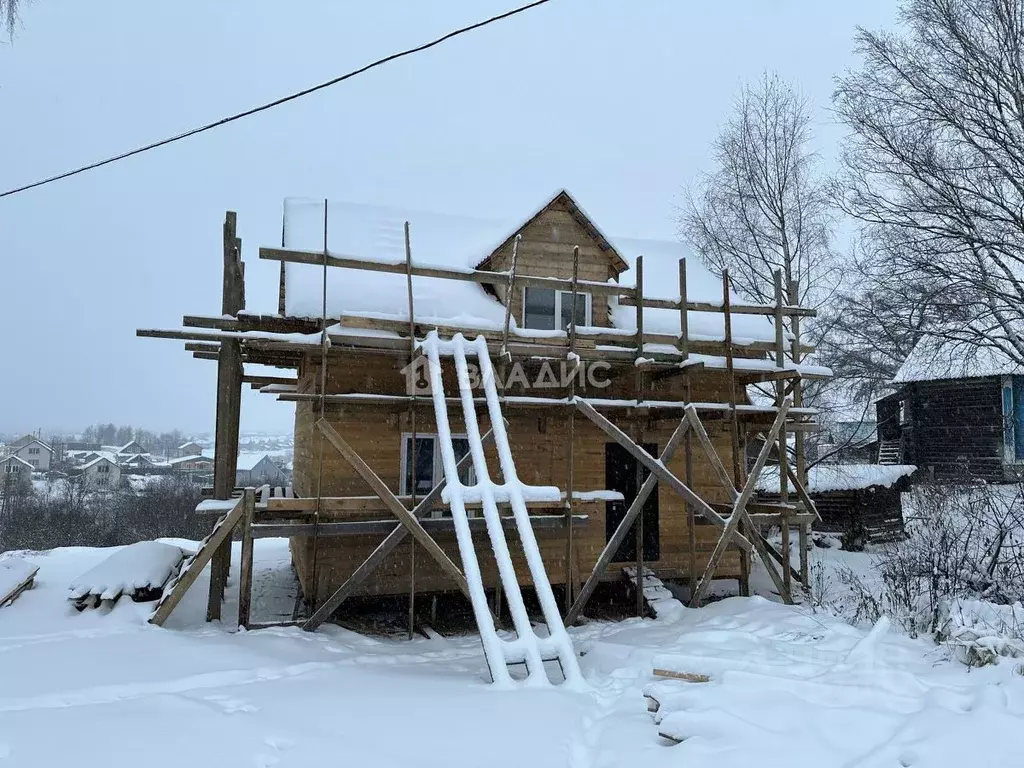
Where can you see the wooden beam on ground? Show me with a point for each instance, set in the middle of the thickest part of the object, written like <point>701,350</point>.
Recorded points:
<point>383,549</point>
<point>175,591</point>
<point>394,505</point>
<point>657,468</point>
<point>605,558</point>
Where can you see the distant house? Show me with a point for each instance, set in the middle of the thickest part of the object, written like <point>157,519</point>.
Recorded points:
<point>255,469</point>
<point>191,464</point>
<point>191,448</point>
<point>101,474</point>
<point>131,448</point>
<point>12,465</point>
<point>31,449</point>
<point>957,413</point>
<point>136,461</point>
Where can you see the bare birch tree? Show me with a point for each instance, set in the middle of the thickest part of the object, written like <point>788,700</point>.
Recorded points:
<point>934,167</point>
<point>765,206</point>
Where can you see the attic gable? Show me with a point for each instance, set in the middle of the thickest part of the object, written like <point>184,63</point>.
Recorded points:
<point>563,201</point>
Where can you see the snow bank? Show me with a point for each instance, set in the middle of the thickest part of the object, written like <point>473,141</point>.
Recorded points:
<point>140,566</point>
<point>823,478</point>
<point>982,630</point>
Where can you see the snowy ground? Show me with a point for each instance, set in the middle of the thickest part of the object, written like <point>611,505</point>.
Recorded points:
<point>93,689</point>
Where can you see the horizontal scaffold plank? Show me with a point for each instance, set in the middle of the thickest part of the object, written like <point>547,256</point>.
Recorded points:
<point>626,294</point>
<point>383,527</point>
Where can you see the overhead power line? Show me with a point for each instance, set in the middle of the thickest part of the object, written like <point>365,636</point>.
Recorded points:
<point>276,102</point>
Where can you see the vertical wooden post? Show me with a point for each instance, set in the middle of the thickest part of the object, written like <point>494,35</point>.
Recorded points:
<point>229,403</point>
<point>684,352</point>
<point>412,419</point>
<point>801,459</point>
<point>639,432</point>
<point>783,442</point>
<point>570,458</point>
<point>317,434</point>
<point>245,578</point>
<point>738,461</point>
<point>504,358</point>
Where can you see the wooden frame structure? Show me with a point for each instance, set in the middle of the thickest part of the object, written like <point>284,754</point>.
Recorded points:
<point>236,337</point>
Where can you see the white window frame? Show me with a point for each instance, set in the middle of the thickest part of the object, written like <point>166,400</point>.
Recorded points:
<point>588,312</point>
<point>438,463</point>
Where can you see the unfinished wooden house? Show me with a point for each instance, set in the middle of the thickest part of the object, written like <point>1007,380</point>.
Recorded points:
<point>957,413</point>
<point>489,405</point>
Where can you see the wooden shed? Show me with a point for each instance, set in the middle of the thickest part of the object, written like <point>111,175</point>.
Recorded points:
<point>957,413</point>
<point>862,503</point>
<point>621,369</point>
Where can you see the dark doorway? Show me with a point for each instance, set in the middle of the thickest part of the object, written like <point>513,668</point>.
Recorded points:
<point>620,475</point>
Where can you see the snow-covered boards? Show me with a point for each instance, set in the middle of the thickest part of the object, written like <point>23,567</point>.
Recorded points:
<point>528,647</point>
<point>139,570</point>
<point>16,576</point>
<point>657,597</point>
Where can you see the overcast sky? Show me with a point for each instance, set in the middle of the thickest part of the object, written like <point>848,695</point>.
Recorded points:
<point>615,100</point>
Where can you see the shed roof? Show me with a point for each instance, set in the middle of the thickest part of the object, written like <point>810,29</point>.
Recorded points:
<point>822,478</point>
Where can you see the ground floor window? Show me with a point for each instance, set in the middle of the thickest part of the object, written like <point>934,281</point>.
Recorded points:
<point>429,466</point>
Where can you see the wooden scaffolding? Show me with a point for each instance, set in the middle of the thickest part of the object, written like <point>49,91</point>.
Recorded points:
<point>236,337</point>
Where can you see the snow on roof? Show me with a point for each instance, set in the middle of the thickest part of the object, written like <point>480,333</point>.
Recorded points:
<point>661,281</point>
<point>822,478</point>
<point>247,461</point>
<point>376,233</point>
<point>934,359</point>
<point>192,442</point>
<point>195,457</point>
<point>12,457</point>
<point>97,460</point>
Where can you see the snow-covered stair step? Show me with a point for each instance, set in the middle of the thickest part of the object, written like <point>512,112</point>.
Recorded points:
<point>658,597</point>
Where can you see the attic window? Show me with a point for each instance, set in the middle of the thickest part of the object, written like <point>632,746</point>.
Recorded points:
<point>542,305</point>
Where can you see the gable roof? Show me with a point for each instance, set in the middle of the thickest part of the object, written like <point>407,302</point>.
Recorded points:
<point>98,460</point>
<point>12,457</point>
<point>935,359</point>
<point>23,442</point>
<point>562,196</point>
<point>376,233</point>
<point>129,444</point>
<point>187,444</point>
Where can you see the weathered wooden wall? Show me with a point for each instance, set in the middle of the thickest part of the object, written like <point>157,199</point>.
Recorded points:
<point>955,430</point>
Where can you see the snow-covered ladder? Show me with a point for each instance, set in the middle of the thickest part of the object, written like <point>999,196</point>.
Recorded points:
<point>528,647</point>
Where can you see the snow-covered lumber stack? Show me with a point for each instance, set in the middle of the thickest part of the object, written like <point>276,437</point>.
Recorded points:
<point>139,570</point>
<point>16,575</point>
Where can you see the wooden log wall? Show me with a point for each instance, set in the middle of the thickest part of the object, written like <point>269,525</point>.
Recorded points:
<point>956,429</point>
<point>538,440</point>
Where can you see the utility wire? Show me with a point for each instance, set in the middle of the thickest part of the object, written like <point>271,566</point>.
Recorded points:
<point>277,102</point>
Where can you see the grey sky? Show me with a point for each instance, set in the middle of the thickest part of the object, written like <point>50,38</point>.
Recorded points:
<point>615,100</point>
